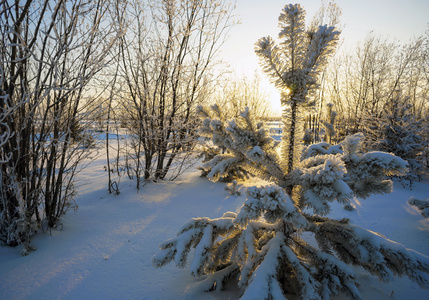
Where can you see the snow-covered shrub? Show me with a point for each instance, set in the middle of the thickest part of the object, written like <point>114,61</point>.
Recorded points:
<point>421,205</point>
<point>349,207</point>
<point>264,246</point>
<point>398,130</point>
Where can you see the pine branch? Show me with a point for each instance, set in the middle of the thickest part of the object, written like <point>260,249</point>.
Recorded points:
<point>247,143</point>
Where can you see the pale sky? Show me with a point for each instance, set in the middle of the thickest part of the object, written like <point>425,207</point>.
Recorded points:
<point>400,19</point>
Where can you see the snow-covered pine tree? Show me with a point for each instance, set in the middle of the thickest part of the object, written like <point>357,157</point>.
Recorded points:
<point>262,245</point>
<point>281,241</point>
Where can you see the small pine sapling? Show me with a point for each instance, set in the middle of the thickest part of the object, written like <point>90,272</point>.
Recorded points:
<point>232,188</point>
<point>281,240</point>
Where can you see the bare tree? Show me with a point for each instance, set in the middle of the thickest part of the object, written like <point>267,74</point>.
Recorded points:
<point>362,85</point>
<point>234,95</point>
<point>49,51</point>
<point>167,56</point>
<point>381,91</point>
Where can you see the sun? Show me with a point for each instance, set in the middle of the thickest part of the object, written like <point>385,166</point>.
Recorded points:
<point>273,97</point>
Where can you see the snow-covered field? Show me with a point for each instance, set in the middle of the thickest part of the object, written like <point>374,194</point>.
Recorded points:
<point>104,249</point>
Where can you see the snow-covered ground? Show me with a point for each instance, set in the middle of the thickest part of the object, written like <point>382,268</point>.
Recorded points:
<point>104,249</point>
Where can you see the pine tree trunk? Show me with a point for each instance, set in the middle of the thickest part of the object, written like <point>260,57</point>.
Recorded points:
<point>292,142</point>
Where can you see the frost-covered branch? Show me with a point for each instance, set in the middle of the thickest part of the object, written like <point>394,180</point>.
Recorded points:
<point>249,148</point>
